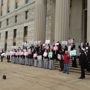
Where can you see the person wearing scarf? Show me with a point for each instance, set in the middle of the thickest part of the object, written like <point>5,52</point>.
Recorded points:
<point>40,62</point>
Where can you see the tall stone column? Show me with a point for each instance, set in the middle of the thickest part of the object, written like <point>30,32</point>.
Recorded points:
<point>88,21</point>
<point>62,20</point>
<point>40,20</point>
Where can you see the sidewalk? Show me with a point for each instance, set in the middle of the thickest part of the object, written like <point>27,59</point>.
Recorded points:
<point>21,77</point>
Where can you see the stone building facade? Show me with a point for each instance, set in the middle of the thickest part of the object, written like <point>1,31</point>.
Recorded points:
<point>33,20</point>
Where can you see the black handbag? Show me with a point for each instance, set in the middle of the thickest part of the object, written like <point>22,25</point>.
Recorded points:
<point>4,77</point>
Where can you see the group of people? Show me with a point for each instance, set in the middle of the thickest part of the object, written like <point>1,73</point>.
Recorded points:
<point>43,56</point>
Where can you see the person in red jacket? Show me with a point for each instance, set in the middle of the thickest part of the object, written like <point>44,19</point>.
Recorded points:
<point>66,62</point>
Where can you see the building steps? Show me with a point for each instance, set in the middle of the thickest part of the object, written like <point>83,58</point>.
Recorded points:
<point>72,69</point>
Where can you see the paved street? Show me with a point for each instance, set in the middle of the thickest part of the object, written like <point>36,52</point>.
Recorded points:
<point>21,77</point>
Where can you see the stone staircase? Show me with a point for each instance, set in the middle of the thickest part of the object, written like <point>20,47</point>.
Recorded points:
<point>72,69</point>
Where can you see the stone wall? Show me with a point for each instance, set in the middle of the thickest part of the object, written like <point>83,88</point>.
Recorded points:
<point>21,23</point>
<point>75,22</point>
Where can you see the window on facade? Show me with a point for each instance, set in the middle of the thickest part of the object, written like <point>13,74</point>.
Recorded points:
<point>14,37</point>
<point>25,30</point>
<point>0,35</point>
<point>84,4</point>
<point>8,6</point>
<point>27,1</point>
<point>26,14</point>
<point>1,7</point>
<point>17,4</point>
<point>14,43</point>
<point>6,34</point>
<point>2,3</point>
<point>25,33</point>
<point>8,9</point>
<point>16,19</point>
<point>0,24</point>
<point>14,33</point>
<point>7,21</point>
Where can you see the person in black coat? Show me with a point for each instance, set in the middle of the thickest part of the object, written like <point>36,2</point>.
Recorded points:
<point>82,59</point>
<point>61,62</point>
<point>88,60</point>
<point>8,58</point>
<point>59,46</point>
<point>2,56</point>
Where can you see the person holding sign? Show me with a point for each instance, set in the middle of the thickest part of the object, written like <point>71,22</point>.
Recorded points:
<point>26,58</point>
<point>17,54</point>
<point>30,57</point>
<point>16,57</point>
<point>51,60</point>
<point>66,62</point>
<point>60,58</point>
<point>74,57</point>
<point>8,56</point>
<point>45,59</point>
<point>59,46</point>
<point>88,59</point>
<point>23,58</point>
<point>12,56</point>
<point>20,56</point>
<point>55,52</point>
<point>40,62</point>
<point>35,59</point>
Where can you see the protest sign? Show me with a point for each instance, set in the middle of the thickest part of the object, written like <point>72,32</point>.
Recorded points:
<point>31,42</point>
<point>69,48</point>
<point>50,55</point>
<point>39,57</point>
<point>39,42</point>
<point>59,56</point>
<point>70,41</point>
<point>47,42</point>
<point>64,42</point>
<point>13,47</point>
<point>35,43</point>
<point>73,53</point>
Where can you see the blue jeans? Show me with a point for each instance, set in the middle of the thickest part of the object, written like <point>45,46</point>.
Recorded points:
<point>66,68</point>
